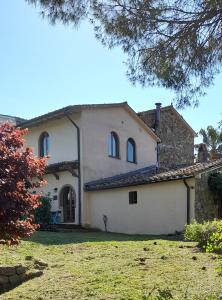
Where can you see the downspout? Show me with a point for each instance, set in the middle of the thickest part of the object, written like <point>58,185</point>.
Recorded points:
<point>158,155</point>
<point>79,169</point>
<point>188,200</point>
<point>156,125</point>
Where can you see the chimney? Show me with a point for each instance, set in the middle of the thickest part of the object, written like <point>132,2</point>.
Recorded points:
<point>202,155</point>
<point>157,115</point>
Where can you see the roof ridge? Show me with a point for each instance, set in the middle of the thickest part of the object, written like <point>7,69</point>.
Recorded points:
<point>77,108</point>
<point>61,111</point>
<point>169,107</point>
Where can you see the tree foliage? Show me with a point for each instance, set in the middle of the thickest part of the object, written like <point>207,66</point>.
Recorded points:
<point>20,172</point>
<point>208,235</point>
<point>215,183</point>
<point>43,212</point>
<point>176,44</point>
<point>213,140</point>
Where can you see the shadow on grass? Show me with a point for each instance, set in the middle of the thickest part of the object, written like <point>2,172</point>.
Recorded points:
<point>83,236</point>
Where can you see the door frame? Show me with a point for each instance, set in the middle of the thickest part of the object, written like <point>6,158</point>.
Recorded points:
<point>61,203</point>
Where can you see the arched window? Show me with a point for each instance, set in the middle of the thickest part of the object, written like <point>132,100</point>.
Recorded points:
<point>113,145</point>
<point>131,150</point>
<point>44,144</point>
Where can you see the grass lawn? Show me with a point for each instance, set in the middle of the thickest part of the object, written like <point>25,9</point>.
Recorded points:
<point>96,265</point>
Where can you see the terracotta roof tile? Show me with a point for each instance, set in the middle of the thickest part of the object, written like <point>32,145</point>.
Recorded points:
<point>150,175</point>
<point>56,114</point>
<point>62,166</point>
<point>61,113</point>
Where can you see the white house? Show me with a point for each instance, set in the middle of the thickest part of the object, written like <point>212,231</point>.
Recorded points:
<point>103,171</point>
<point>88,142</point>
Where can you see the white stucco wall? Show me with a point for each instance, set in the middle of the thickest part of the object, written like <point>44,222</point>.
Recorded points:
<point>63,147</point>
<point>63,139</point>
<point>95,127</point>
<point>65,178</point>
<point>161,208</point>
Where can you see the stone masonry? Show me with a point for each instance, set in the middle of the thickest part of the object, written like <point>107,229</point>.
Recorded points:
<point>12,276</point>
<point>177,137</point>
<point>206,206</point>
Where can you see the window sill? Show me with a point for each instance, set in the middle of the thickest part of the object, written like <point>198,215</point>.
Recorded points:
<point>132,162</point>
<point>116,157</point>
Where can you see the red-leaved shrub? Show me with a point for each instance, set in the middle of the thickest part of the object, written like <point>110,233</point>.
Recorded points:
<point>20,172</point>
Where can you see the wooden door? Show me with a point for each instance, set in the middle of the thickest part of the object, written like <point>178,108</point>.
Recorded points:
<point>69,201</point>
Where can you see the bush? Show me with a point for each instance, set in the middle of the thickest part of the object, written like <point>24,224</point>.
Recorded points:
<point>166,294</point>
<point>208,235</point>
<point>43,212</point>
<point>18,167</point>
<point>158,294</point>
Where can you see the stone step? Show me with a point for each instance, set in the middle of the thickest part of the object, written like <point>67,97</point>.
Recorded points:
<point>65,227</point>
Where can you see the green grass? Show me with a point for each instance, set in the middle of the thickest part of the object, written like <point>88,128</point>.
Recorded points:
<point>96,265</point>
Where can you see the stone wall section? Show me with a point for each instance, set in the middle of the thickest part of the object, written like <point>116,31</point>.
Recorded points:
<point>206,207</point>
<point>177,140</point>
<point>12,276</point>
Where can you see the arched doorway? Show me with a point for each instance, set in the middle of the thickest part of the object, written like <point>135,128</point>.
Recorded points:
<point>68,204</point>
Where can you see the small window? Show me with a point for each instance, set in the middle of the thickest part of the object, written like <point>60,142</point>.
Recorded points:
<point>131,150</point>
<point>44,144</point>
<point>133,197</point>
<point>113,145</point>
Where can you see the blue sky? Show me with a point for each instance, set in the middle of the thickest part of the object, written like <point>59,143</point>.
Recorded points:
<point>44,67</point>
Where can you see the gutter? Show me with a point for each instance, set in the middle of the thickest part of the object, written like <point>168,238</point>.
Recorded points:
<point>158,154</point>
<point>144,182</point>
<point>188,200</point>
<point>79,169</point>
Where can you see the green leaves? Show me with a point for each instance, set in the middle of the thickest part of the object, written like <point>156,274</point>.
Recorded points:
<point>213,140</point>
<point>43,212</point>
<point>208,235</point>
<point>174,44</point>
<point>215,183</point>
<point>65,11</point>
